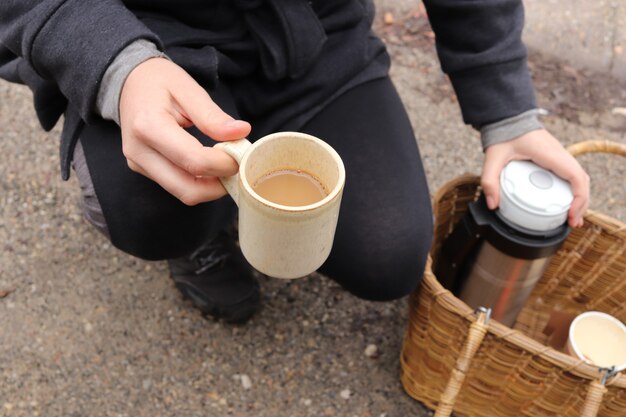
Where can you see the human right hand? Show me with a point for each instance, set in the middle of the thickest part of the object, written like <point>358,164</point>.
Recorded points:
<point>545,150</point>
<point>158,100</point>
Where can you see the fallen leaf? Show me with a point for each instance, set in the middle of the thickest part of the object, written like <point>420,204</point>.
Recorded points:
<point>5,292</point>
<point>388,18</point>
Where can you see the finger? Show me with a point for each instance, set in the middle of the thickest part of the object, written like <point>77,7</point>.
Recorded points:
<point>184,150</point>
<point>187,188</point>
<point>576,212</point>
<point>565,166</point>
<point>495,160</point>
<point>197,106</point>
<point>579,205</point>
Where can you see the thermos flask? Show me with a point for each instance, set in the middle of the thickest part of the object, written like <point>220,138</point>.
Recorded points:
<point>494,259</point>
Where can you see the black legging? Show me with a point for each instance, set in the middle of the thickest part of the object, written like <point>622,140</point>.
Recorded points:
<point>385,223</point>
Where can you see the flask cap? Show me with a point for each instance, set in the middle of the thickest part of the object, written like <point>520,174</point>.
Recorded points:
<point>532,197</point>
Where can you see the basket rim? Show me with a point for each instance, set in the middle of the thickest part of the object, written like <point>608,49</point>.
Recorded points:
<point>456,306</point>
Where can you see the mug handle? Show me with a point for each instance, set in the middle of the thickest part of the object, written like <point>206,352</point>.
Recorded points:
<point>236,149</point>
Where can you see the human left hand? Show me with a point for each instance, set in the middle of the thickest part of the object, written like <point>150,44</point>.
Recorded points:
<point>545,150</point>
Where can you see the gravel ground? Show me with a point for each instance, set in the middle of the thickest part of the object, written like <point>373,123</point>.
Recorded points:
<point>89,331</point>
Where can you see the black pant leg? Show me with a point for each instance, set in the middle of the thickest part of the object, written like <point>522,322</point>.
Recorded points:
<point>385,223</point>
<point>142,218</point>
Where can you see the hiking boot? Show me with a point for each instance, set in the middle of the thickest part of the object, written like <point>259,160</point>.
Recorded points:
<point>218,280</point>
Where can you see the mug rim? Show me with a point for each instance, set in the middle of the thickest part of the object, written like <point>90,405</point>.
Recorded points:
<point>332,194</point>
<point>573,344</point>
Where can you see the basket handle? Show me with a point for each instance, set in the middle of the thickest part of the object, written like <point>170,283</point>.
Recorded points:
<point>594,399</point>
<point>477,332</point>
<point>597,146</point>
<point>596,392</point>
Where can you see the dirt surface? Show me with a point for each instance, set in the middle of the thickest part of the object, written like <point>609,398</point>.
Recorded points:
<point>89,331</point>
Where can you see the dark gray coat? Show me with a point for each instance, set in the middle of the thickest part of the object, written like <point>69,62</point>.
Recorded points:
<point>61,48</point>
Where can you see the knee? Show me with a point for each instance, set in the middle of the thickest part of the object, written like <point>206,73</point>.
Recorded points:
<point>158,234</point>
<point>166,228</point>
<point>386,270</point>
<point>391,277</point>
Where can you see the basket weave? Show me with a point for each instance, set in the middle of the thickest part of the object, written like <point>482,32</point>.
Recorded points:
<point>453,360</point>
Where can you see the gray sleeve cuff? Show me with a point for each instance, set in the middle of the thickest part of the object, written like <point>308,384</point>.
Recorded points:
<point>108,100</point>
<point>511,127</point>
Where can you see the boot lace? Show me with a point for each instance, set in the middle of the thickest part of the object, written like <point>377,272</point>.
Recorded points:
<point>208,256</point>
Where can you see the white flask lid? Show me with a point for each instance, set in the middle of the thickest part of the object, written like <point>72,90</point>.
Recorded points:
<point>533,197</point>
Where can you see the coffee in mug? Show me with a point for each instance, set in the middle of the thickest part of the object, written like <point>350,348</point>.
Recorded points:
<point>290,187</point>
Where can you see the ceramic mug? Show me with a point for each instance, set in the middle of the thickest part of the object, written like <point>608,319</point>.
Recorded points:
<point>285,241</point>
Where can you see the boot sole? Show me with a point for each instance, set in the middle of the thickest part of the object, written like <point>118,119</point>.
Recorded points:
<point>237,313</point>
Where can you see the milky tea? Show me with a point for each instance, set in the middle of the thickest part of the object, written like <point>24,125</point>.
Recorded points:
<point>290,188</point>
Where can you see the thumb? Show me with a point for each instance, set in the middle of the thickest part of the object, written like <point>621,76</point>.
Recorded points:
<point>495,161</point>
<point>195,104</point>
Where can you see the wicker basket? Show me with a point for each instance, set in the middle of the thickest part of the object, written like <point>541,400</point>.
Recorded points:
<point>453,359</point>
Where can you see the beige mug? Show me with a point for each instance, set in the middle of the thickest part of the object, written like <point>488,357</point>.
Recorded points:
<point>279,240</point>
